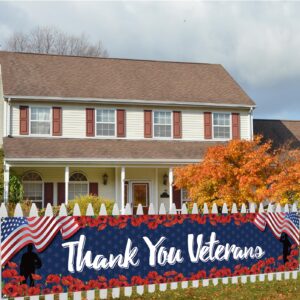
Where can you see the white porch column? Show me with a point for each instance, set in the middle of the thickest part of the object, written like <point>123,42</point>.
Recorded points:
<point>6,182</point>
<point>122,188</point>
<point>116,185</point>
<point>171,187</point>
<point>156,191</point>
<point>67,176</point>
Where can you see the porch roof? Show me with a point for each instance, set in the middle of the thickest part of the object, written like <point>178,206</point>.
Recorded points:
<point>63,149</point>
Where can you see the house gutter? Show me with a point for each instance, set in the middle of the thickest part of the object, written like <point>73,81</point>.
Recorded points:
<point>126,101</point>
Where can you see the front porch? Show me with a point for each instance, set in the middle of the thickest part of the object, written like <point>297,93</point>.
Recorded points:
<point>140,184</point>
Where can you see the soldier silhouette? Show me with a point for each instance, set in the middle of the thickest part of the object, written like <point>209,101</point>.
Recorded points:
<point>29,263</point>
<point>284,239</point>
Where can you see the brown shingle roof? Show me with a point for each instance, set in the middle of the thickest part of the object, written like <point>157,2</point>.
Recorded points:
<point>27,74</point>
<point>279,131</point>
<point>98,149</point>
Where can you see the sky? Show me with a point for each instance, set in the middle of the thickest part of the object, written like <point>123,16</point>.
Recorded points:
<point>257,42</point>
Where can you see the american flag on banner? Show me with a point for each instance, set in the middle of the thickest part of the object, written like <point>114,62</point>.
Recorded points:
<point>18,232</point>
<point>279,223</point>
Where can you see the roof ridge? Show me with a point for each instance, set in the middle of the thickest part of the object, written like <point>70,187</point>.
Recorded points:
<point>282,120</point>
<point>110,58</point>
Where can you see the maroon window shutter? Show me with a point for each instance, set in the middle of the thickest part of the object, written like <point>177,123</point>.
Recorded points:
<point>94,188</point>
<point>60,193</point>
<point>48,193</point>
<point>121,123</point>
<point>177,197</point>
<point>24,120</point>
<point>236,126</point>
<point>90,122</point>
<point>177,124</point>
<point>57,121</point>
<point>207,125</point>
<point>148,123</point>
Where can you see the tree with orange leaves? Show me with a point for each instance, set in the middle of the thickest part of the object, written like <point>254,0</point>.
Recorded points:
<point>242,171</point>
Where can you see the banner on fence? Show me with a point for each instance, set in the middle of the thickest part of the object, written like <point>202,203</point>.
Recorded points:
<point>44,255</point>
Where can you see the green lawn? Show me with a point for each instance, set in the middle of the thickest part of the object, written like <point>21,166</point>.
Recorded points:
<point>277,290</point>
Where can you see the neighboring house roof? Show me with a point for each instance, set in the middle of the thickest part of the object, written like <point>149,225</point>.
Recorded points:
<point>26,74</point>
<point>62,149</point>
<point>281,132</point>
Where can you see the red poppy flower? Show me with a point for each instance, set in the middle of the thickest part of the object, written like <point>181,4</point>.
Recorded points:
<point>170,224</point>
<point>123,219</point>
<point>46,291</point>
<point>36,277</point>
<point>137,280</point>
<point>33,291</point>
<point>67,280</point>
<point>102,219</point>
<point>160,219</point>
<point>170,273</point>
<point>179,277</point>
<point>136,221</point>
<point>102,227</point>
<point>112,221</point>
<point>113,283</point>
<point>23,289</point>
<point>102,285</point>
<point>122,225</point>
<point>268,269</point>
<point>152,225</point>
<point>93,222</point>
<point>12,265</point>
<point>270,261</point>
<point>160,279</point>
<point>9,273</point>
<point>122,278</point>
<point>53,279</point>
<point>295,252</point>
<point>19,278</point>
<point>93,284</point>
<point>11,290</point>
<point>102,279</point>
<point>56,289</point>
<point>152,275</point>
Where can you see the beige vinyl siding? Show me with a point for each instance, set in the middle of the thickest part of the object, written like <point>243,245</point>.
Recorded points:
<point>192,125</point>
<point>134,123</point>
<point>245,125</point>
<point>74,120</point>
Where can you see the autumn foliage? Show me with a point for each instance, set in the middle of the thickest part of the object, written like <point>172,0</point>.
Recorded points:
<point>243,171</point>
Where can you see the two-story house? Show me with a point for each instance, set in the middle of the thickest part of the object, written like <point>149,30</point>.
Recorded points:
<point>113,127</point>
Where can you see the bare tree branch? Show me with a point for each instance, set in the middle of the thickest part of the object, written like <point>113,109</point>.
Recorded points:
<point>50,40</point>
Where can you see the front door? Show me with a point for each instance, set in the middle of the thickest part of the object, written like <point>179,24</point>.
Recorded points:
<point>140,195</point>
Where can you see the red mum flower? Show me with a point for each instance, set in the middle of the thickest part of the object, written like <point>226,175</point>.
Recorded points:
<point>56,289</point>
<point>102,219</point>
<point>11,290</point>
<point>93,222</point>
<point>268,269</point>
<point>53,279</point>
<point>33,291</point>
<point>136,221</point>
<point>122,225</point>
<point>46,291</point>
<point>295,252</point>
<point>160,279</point>
<point>12,265</point>
<point>9,273</point>
<point>93,284</point>
<point>122,278</point>
<point>160,219</point>
<point>36,277</point>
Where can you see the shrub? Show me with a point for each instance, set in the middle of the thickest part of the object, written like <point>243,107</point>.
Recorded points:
<point>96,202</point>
<point>25,204</point>
<point>16,191</point>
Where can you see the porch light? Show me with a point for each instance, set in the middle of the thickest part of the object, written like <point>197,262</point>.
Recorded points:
<point>105,179</point>
<point>165,179</point>
<point>164,195</point>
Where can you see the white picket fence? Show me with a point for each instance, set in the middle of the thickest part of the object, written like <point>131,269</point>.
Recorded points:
<point>151,288</point>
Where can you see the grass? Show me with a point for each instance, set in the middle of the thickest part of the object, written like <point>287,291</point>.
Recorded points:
<point>279,290</point>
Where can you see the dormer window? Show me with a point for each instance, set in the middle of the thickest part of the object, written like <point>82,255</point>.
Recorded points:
<point>40,120</point>
<point>162,124</point>
<point>221,126</point>
<point>106,122</point>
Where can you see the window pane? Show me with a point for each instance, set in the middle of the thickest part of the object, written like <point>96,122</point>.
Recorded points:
<point>162,130</point>
<point>77,190</point>
<point>40,127</point>
<point>105,129</point>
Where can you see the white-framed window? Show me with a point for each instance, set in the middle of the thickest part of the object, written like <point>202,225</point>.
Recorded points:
<point>162,124</point>
<point>40,120</point>
<point>221,126</point>
<point>78,185</point>
<point>105,122</point>
<point>184,196</point>
<point>33,188</point>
